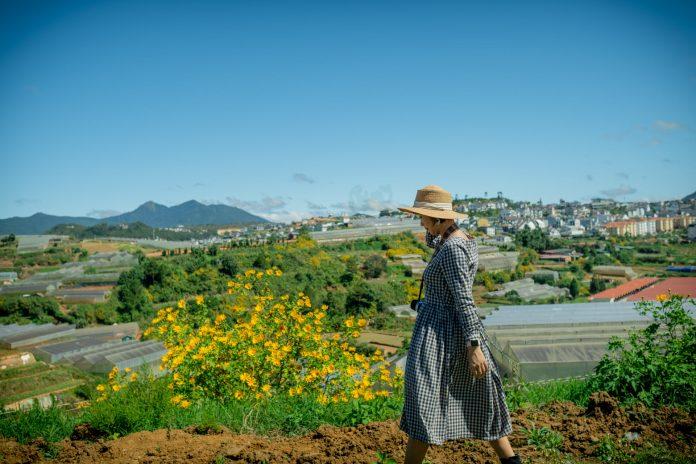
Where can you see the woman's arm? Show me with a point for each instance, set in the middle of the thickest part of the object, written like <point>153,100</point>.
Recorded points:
<point>455,266</point>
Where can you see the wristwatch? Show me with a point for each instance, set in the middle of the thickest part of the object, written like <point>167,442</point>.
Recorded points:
<point>473,342</point>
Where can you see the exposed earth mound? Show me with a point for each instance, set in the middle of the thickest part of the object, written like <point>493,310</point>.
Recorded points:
<point>582,429</point>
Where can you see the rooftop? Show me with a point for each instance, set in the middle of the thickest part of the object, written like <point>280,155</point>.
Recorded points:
<point>624,289</point>
<point>685,286</point>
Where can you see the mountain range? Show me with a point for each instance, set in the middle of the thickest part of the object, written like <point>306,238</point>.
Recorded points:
<point>690,197</point>
<point>190,213</point>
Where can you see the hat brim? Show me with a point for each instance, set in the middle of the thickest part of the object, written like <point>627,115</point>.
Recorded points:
<point>433,213</point>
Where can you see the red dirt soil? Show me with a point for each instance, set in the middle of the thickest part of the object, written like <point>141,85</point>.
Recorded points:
<point>582,428</point>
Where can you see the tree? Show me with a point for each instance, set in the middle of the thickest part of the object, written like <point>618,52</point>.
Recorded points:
<point>213,250</point>
<point>587,266</point>
<point>131,295</point>
<point>374,266</point>
<point>360,298</point>
<point>597,285</point>
<point>228,265</point>
<point>574,288</point>
<point>535,239</point>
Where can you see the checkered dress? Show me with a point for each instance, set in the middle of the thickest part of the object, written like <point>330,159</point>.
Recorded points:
<point>443,400</point>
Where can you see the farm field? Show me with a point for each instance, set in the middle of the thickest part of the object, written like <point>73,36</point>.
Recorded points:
<point>36,379</point>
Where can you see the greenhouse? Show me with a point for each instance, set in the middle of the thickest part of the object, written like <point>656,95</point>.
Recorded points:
<point>126,354</point>
<point>138,355</point>
<point>35,335</point>
<point>539,342</point>
<point>13,329</point>
<point>124,330</point>
<point>529,290</point>
<point>82,295</point>
<point>57,351</point>
<point>505,260</point>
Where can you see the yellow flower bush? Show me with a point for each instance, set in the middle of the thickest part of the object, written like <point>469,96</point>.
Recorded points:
<point>261,345</point>
<point>117,380</point>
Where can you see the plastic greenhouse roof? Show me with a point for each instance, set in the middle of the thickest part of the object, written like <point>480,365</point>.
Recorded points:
<point>595,312</point>
<point>560,353</point>
<point>136,352</point>
<point>12,329</point>
<point>565,329</point>
<point>124,346</point>
<point>40,331</point>
<point>72,345</point>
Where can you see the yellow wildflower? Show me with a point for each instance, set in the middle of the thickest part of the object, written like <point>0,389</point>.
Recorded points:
<point>181,304</point>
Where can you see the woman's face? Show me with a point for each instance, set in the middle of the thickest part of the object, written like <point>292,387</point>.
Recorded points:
<point>430,225</point>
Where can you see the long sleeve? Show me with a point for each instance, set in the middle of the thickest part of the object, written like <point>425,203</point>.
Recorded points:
<point>432,240</point>
<point>455,265</point>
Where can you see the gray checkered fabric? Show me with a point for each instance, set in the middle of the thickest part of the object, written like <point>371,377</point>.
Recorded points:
<point>443,400</point>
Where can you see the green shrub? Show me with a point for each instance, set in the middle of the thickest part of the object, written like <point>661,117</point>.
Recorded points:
<point>656,364</point>
<point>374,266</point>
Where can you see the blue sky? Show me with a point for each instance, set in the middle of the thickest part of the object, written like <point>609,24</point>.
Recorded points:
<point>293,108</point>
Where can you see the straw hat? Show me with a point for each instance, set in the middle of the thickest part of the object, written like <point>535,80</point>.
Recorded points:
<point>435,202</point>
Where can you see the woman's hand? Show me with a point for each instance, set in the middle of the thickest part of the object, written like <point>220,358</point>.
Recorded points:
<point>477,361</point>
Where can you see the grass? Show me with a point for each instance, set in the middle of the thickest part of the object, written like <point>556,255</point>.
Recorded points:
<point>543,438</point>
<point>145,405</point>
<point>522,395</point>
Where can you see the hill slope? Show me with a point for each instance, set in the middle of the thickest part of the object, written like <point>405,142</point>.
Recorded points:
<point>690,197</point>
<point>39,223</point>
<point>190,213</point>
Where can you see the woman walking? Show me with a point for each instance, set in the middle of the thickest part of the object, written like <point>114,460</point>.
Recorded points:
<point>452,386</point>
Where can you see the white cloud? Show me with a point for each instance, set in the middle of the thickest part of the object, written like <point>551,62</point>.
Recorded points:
<point>285,216</point>
<point>103,213</point>
<point>300,177</point>
<point>360,200</point>
<point>26,201</point>
<point>667,126</point>
<point>620,191</point>
<point>265,205</point>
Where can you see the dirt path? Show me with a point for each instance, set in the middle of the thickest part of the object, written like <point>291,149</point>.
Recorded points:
<point>581,428</point>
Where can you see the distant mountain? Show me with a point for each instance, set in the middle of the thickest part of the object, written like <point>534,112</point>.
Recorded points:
<point>190,213</point>
<point>39,223</point>
<point>690,197</point>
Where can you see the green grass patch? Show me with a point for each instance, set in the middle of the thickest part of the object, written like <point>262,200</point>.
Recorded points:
<point>146,405</point>
<point>522,395</point>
